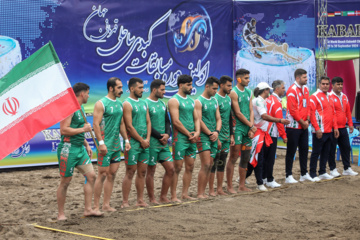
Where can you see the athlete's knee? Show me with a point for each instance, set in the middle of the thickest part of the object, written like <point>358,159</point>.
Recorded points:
<point>90,177</point>
<point>245,158</point>
<point>222,162</point>
<point>130,173</point>
<point>170,171</point>
<point>110,175</point>
<point>141,173</point>
<point>189,167</point>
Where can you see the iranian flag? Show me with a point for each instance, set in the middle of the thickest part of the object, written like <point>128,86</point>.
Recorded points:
<point>34,95</point>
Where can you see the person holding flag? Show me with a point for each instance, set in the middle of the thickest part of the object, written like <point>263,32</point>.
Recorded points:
<point>263,123</point>
<point>72,154</point>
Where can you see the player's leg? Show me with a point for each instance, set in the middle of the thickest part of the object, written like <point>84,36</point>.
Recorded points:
<point>131,166</point>
<point>178,150</point>
<point>103,163</point>
<point>220,170</point>
<point>244,162</point>
<point>142,166</point>
<point>153,158</point>
<point>189,167</point>
<point>212,175</point>
<point>90,176</point>
<point>234,155</point>
<point>109,181</point>
<point>168,164</point>
<point>61,196</point>
<point>204,173</point>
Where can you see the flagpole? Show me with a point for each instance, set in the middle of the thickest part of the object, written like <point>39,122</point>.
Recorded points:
<point>92,135</point>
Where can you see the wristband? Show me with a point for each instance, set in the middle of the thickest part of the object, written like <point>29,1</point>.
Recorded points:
<point>127,141</point>
<point>279,120</point>
<point>252,127</point>
<point>101,142</point>
<point>217,131</point>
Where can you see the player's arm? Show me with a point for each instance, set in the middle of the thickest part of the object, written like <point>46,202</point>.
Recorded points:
<point>165,136</point>
<point>174,114</point>
<point>148,125</point>
<point>97,117</point>
<point>292,106</point>
<point>124,135</point>
<point>277,112</point>
<point>349,117</point>
<point>313,106</point>
<point>203,127</point>
<point>218,123</point>
<point>66,130</point>
<point>236,109</point>
<point>334,119</point>
<point>128,122</point>
<point>88,148</point>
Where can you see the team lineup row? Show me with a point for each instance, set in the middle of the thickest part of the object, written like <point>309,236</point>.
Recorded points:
<point>221,120</point>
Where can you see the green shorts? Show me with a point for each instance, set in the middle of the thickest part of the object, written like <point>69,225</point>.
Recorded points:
<point>242,138</point>
<point>225,146</point>
<point>70,156</point>
<point>159,155</point>
<point>182,149</point>
<point>135,155</point>
<point>110,157</point>
<point>204,144</point>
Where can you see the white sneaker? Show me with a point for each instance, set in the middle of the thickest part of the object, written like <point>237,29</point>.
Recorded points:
<point>335,173</point>
<point>264,180</point>
<point>350,172</point>
<point>325,176</point>
<point>237,180</point>
<point>273,184</point>
<point>290,179</point>
<point>306,177</point>
<point>262,188</point>
<point>316,179</point>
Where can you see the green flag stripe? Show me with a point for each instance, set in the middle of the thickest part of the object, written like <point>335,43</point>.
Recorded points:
<point>42,59</point>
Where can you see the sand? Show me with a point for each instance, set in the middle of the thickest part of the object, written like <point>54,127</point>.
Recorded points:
<point>327,209</point>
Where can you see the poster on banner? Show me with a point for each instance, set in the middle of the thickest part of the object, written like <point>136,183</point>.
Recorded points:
<point>342,29</point>
<point>273,39</point>
<point>96,40</point>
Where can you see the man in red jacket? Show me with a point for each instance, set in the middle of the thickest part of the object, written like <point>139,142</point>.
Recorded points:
<point>297,131</point>
<point>343,116</point>
<point>274,108</point>
<point>323,121</point>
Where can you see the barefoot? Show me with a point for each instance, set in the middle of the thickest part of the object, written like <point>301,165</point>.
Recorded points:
<point>213,194</point>
<point>164,200</point>
<point>244,189</point>
<point>176,200</point>
<point>93,213</point>
<point>141,203</point>
<point>187,197</point>
<point>231,190</point>
<point>61,218</point>
<point>125,205</point>
<point>202,196</point>
<point>221,192</point>
<point>108,209</point>
<point>154,202</point>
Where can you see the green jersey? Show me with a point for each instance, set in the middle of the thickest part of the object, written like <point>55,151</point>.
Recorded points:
<point>186,116</point>
<point>244,98</point>
<point>77,121</point>
<point>157,111</point>
<point>139,110</point>
<point>110,123</point>
<point>225,110</point>
<point>208,109</point>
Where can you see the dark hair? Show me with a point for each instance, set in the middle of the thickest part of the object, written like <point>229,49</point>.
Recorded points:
<point>324,78</point>
<point>337,80</point>
<point>224,79</point>
<point>211,80</point>
<point>79,87</point>
<point>156,84</point>
<point>277,83</point>
<point>253,20</point>
<point>133,81</point>
<point>299,72</point>
<point>257,92</point>
<point>241,72</point>
<point>184,79</point>
<point>112,82</point>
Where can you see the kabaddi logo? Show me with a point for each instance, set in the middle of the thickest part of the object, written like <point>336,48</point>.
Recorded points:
<point>189,33</point>
<point>10,106</point>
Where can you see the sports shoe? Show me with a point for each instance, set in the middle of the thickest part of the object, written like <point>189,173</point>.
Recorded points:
<point>290,179</point>
<point>306,177</point>
<point>273,184</point>
<point>335,173</point>
<point>264,180</point>
<point>350,172</point>
<point>262,188</point>
<point>325,176</point>
<point>316,179</point>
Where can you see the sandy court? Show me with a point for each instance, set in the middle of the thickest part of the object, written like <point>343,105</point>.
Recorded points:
<point>328,209</point>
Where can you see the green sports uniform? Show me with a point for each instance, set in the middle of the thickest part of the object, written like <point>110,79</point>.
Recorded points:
<point>157,151</point>
<point>137,153</point>
<point>225,110</point>
<point>208,109</point>
<point>71,151</point>
<point>181,145</point>
<point>110,129</point>
<point>241,130</point>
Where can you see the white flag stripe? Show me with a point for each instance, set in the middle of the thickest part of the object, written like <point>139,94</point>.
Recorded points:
<point>34,92</point>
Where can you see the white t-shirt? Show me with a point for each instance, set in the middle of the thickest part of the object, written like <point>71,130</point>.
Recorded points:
<point>259,107</point>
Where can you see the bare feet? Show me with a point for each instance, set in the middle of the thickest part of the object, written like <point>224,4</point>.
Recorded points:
<point>164,200</point>
<point>154,202</point>
<point>141,204</point>
<point>213,194</point>
<point>176,200</point>
<point>203,196</point>
<point>231,190</point>
<point>61,218</point>
<point>187,197</point>
<point>93,213</point>
<point>244,189</point>
<point>125,205</point>
<point>108,209</point>
<point>221,192</point>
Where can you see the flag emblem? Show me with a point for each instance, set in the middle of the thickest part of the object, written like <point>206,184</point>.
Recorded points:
<point>11,106</point>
